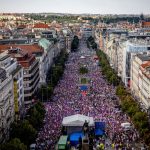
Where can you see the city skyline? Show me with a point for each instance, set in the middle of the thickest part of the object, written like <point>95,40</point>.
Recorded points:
<point>76,7</point>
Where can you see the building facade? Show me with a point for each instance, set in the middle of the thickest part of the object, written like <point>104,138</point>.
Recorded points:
<point>140,79</point>
<point>16,71</point>
<point>31,76</point>
<point>7,112</point>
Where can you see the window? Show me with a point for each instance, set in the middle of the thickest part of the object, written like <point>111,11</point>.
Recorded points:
<point>1,112</point>
<point>148,48</point>
<point>26,85</point>
<point>20,74</point>
<point>26,71</point>
<point>21,91</point>
<point>20,83</point>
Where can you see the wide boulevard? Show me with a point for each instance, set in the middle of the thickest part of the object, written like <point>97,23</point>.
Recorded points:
<point>100,102</point>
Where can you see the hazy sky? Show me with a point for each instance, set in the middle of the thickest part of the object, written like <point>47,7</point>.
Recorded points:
<point>77,6</point>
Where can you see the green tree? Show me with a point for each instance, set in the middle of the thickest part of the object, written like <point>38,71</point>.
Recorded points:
<point>75,43</point>
<point>14,144</point>
<point>83,70</point>
<point>120,90</point>
<point>36,115</point>
<point>24,131</point>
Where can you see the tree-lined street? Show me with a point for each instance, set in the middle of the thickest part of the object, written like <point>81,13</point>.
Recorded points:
<point>100,102</point>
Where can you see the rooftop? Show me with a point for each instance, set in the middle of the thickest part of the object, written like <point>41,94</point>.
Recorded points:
<point>24,58</point>
<point>16,70</point>
<point>45,43</point>
<point>4,57</point>
<point>144,23</point>
<point>144,57</point>
<point>146,64</point>
<point>29,48</point>
<point>41,25</point>
<point>13,41</point>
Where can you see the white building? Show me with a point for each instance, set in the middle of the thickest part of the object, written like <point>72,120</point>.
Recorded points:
<point>86,31</point>
<point>140,79</point>
<point>16,71</point>
<point>130,48</point>
<point>46,60</point>
<point>68,36</point>
<point>7,112</point>
<point>113,47</point>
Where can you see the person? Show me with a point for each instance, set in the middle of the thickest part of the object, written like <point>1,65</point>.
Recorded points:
<point>68,145</point>
<point>80,143</point>
<point>85,128</point>
<point>113,145</point>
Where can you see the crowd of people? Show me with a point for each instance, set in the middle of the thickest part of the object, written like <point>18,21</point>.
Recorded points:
<point>100,102</point>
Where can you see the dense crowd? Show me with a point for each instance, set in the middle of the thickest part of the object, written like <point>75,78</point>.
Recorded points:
<point>101,103</point>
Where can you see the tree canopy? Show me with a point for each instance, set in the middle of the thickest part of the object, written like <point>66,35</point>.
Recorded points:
<point>14,144</point>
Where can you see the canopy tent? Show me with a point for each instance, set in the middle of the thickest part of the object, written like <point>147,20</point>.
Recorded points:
<point>62,142</point>
<point>99,128</point>
<point>82,57</point>
<point>83,88</point>
<point>99,132</point>
<point>77,120</point>
<point>74,138</point>
<point>84,93</point>
<point>100,125</point>
<point>126,124</point>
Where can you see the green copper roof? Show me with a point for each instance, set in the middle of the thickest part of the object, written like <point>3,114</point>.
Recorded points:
<point>44,43</point>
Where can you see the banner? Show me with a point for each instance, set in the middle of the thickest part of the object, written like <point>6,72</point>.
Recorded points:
<point>16,97</point>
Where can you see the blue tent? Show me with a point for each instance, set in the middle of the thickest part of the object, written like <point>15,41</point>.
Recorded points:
<point>99,132</point>
<point>83,87</point>
<point>74,138</point>
<point>100,125</point>
<point>99,128</point>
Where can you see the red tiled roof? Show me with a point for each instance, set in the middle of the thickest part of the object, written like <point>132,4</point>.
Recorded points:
<point>22,26</point>
<point>41,25</point>
<point>24,58</point>
<point>27,48</point>
<point>146,65</point>
<point>143,69</point>
<point>145,23</point>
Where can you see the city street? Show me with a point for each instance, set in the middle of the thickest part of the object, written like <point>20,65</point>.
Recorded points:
<point>75,75</point>
<point>100,103</point>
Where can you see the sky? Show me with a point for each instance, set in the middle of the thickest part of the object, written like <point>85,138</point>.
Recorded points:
<point>76,6</point>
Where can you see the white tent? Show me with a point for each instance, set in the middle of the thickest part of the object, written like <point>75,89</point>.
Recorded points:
<point>77,120</point>
<point>126,124</point>
<point>82,57</point>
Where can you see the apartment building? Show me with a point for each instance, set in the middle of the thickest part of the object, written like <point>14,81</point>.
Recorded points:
<point>68,38</point>
<point>144,84</point>
<point>46,60</point>
<point>140,79</point>
<point>30,72</point>
<point>44,51</point>
<point>7,112</point>
<point>132,47</point>
<point>120,46</point>
<point>114,43</point>
<point>16,71</point>
<point>86,31</point>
